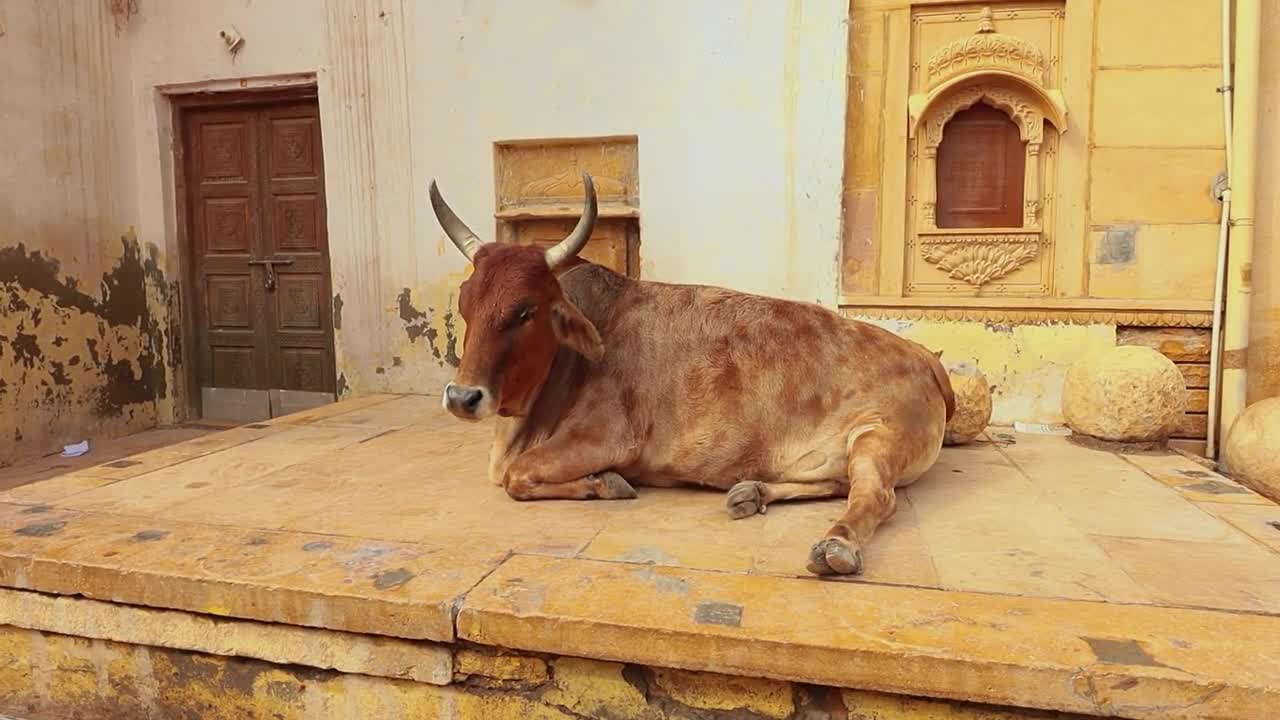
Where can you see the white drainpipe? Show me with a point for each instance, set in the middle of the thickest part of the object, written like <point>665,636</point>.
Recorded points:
<point>1219,284</point>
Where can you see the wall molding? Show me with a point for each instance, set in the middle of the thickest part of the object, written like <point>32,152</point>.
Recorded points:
<point>1012,315</point>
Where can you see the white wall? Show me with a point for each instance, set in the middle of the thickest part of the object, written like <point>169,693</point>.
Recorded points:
<point>739,109</point>
<point>738,106</point>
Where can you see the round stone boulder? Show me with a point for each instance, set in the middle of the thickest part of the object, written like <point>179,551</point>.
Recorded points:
<point>973,403</point>
<point>1124,394</point>
<point>1252,449</point>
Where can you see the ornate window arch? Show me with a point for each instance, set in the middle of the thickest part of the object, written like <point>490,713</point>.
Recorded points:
<point>1007,73</point>
<point>1021,109</point>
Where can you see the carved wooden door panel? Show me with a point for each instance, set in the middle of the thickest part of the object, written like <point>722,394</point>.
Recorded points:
<point>259,260</point>
<point>301,332</point>
<point>607,246</point>
<point>981,162</point>
<point>224,210</point>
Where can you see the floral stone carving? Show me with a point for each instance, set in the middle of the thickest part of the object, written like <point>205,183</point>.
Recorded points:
<point>987,50</point>
<point>980,259</point>
<point>1028,117</point>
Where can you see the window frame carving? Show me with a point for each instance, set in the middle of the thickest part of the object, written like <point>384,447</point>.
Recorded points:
<point>1007,73</point>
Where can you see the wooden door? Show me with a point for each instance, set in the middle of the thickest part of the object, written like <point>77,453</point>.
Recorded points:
<point>260,259</point>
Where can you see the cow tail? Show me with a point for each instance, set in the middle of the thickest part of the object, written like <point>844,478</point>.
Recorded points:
<point>943,380</point>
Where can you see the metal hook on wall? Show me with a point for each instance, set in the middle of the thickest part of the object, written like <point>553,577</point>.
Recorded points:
<point>233,39</point>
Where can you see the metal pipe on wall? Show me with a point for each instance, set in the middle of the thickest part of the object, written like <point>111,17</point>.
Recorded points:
<point>1220,269</point>
<point>1244,131</point>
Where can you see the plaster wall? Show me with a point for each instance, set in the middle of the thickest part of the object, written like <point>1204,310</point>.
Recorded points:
<point>82,331</point>
<point>738,108</point>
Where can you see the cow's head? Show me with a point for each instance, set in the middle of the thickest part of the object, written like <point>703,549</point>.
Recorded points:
<point>516,315</point>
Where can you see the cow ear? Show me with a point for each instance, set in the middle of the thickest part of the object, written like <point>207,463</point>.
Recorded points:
<point>575,331</point>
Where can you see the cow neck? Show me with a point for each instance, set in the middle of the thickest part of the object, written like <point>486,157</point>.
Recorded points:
<point>594,289</point>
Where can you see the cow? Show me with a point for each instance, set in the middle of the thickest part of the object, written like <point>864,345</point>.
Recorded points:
<point>600,383</point>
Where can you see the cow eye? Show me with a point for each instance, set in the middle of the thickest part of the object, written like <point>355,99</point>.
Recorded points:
<point>524,315</point>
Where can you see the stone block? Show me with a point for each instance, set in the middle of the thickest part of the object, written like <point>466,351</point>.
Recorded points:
<point>1132,107</point>
<point>501,667</point>
<point>1153,185</point>
<point>1252,449</point>
<point>1164,262</point>
<point>1128,394</point>
<point>595,688</point>
<point>1127,33</point>
<point>973,403</point>
<point>1177,344</point>
<point>867,705</point>
<point>712,691</point>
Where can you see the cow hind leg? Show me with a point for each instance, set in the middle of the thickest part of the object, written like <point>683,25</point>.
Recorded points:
<point>872,477</point>
<point>750,497</point>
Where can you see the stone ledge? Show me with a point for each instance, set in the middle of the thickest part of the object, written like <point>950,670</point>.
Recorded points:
<point>298,579</point>
<point>1067,655</point>
<point>52,675</point>
<point>281,644</point>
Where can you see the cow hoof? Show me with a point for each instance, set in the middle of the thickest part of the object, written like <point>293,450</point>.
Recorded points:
<point>612,486</point>
<point>833,556</point>
<point>745,499</point>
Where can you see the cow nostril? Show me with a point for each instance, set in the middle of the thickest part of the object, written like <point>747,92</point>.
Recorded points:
<point>471,400</point>
<point>464,398</point>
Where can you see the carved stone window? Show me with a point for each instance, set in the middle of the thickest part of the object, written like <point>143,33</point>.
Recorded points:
<point>1021,112</point>
<point>981,128</point>
<point>539,195</point>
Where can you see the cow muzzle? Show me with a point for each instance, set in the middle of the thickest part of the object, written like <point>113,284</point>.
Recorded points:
<point>467,402</point>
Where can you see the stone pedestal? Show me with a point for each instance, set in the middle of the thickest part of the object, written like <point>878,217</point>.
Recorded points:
<point>1252,449</point>
<point>1126,394</point>
<point>973,403</point>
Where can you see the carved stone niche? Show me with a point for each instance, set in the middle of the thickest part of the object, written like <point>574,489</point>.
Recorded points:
<point>1011,75</point>
<point>540,193</point>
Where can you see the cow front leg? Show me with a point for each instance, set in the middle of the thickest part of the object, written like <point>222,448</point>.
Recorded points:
<point>598,486</point>
<point>750,497</point>
<point>871,502</point>
<point>560,471</point>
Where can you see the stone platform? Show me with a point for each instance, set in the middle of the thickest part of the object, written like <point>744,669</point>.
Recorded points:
<point>354,561</point>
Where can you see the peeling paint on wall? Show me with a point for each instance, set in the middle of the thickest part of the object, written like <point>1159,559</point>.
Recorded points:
<point>72,364</point>
<point>1027,364</point>
<point>416,322</point>
<point>1117,246</point>
<point>421,324</point>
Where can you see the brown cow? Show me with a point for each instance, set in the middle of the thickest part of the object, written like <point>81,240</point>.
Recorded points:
<point>601,382</point>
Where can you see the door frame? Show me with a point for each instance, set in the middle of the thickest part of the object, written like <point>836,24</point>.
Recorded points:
<point>183,100</point>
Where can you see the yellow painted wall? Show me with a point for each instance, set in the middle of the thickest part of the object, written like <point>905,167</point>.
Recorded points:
<point>1157,143</point>
<point>1026,364</point>
<point>1143,145</point>
<point>82,295</point>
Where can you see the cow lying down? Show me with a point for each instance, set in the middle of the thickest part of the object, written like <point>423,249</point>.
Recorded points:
<point>601,383</point>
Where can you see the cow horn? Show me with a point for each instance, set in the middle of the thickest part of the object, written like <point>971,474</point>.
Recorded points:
<point>457,230</point>
<point>570,246</point>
